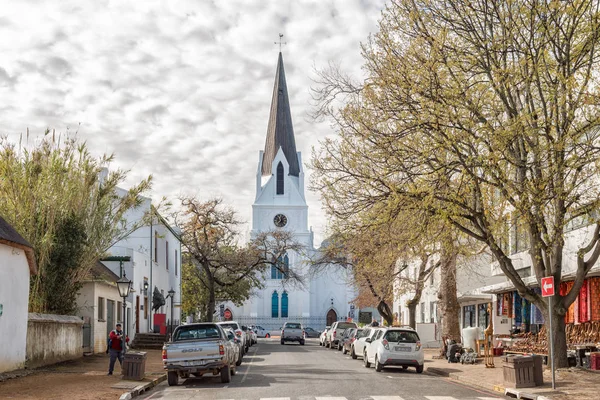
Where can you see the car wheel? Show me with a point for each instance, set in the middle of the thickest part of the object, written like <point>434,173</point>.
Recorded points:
<point>366,360</point>
<point>302,342</point>
<point>405,367</point>
<point>340,346</point>
<point>419,369</point>
<point>353,355</point>
<point>327,345</point>
<point>239,361</point>
<point>282,342</point>
<point>225,374</point>
<point>172,378</point>
<point>378,366</point>
<point>233,370</point>
<point>344,351</point>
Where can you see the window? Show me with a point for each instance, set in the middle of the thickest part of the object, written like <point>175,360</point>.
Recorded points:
<point>468,316</point>
<point>284,305</point>
<point>146,307</point>
<point>176,261</point>
<point>433,311</point>
<point>423,312</point>
<point>281,269</point>
<point>155,246</point>
<point>275,305</point>
<point>286,266</point>
<point>119,311</point>
<point>167,254</point>
<point>101,308</point>
<point>280,178</point>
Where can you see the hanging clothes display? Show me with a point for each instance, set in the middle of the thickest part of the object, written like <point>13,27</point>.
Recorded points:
<point>584,315</point>
<point>518,304</point>
<point>536,314</point>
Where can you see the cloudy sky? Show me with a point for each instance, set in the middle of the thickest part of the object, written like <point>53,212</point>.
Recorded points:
<point>177,89</point>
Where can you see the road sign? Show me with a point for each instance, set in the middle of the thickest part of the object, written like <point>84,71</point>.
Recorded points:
<point>548,286</point>
<point>221,309</point>
<point>227,314</point>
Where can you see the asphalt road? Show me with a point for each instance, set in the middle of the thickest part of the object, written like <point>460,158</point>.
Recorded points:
<point>310,372</point>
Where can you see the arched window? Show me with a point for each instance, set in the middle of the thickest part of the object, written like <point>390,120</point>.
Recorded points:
<point>275,305</point>
<point>286,266</point>
<point>280,178</point>
<point>273,272</point>
<point>284,305</point>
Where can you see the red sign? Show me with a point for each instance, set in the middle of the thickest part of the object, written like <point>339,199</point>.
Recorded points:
<point>227,314</point>
<point>548,286</point>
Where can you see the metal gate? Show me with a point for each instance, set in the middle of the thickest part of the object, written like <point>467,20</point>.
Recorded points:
<point>87,335</point>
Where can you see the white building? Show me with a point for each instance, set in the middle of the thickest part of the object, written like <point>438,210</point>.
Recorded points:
<point>17,263</point>
<point>280,203</point>
<point>154,249</point>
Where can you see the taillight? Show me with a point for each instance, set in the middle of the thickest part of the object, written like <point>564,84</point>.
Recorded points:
<point>303,333</point>
<point>221,349</point>
<point>418,345</point>
<point>334,333</point>
<point>385,344</point>
<point>282,332</point>
<point>238,333</point>
<point>164,354</point>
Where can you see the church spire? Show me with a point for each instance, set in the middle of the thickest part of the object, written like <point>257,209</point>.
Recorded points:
<point>280,132</point>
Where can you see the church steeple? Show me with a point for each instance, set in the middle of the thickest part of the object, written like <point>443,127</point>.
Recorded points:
<point>280,132</point>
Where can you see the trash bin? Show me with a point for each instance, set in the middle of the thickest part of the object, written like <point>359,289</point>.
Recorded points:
<point>518,372</point>
<point>538,369</point>
<point>134,365</point>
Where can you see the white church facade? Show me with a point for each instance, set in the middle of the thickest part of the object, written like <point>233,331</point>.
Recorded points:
<point>280,203</point>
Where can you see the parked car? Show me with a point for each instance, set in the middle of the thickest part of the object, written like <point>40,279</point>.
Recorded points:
<point>358,346</point>
<point>196,349</point>
<point>336,333</point>
<point>239,332</point>
<point>238,344</point>
<point>350,336</point>
<point>323,336</point>
<point>394,346</point>
<point>250,335</point>
<point>311,333</point>
<point>261,332</point>
<point>292,332</point>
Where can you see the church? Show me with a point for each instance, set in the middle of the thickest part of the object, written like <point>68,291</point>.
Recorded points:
<point>280,203</point>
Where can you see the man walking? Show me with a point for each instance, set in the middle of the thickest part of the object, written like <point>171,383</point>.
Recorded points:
<point>117,347</point>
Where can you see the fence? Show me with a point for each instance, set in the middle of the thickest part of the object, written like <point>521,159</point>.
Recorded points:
<point>274,324</point>
<point>53,338</point>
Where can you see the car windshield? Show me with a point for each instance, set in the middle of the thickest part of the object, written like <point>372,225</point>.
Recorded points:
<point>358,333</point>
<point>197,332</point>
<point>231,326</point>
<point>292,326</point>
<point>346,325</point>
<point>401,336</point>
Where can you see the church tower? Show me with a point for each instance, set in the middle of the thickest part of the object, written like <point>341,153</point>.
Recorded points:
<point>280,201</point>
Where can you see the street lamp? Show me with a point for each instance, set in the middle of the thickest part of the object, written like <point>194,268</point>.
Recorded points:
<point>124,286</point>
<point>171,294</point>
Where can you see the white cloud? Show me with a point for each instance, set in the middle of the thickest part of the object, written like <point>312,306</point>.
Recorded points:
<point>180,90</point>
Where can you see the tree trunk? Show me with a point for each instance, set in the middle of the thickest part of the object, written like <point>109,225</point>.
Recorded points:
<point>558,333</point>
<point>210,308</point>
<point>412,313</point>
<point>447,296</point>
<point>385,312</point>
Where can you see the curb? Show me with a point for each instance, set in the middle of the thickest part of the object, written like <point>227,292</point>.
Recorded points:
<point>510,392</point>
<point>466,381</point>
<point>142,388</point>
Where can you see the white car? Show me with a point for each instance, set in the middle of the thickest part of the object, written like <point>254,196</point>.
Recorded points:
<point>261,332</point>
<point>237,329</point>
<point>323,336</point>
<point>358,347</point>
<point>394,346</point>
<point>336,332</point>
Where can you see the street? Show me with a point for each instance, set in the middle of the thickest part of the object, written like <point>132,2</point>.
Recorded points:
<point>272,371</point>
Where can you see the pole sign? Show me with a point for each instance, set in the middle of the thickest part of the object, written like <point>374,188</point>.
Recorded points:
<point>548,286</point>
<point>221,310</point>
<point>227,314</point>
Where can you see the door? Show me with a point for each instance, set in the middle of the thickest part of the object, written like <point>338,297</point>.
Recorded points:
<point>331,317</point>
<point>137,314</point>
<point>110,316</point>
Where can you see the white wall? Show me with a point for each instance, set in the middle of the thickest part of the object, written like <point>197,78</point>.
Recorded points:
<point>14,297</point>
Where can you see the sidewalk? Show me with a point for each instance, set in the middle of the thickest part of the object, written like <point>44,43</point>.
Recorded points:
<point>571,383</point>
<point>82,379</point>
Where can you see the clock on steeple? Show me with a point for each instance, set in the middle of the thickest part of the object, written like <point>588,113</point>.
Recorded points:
<point>280,220</point>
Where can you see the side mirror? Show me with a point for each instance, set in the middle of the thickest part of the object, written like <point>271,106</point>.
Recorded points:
<point>368,340</point>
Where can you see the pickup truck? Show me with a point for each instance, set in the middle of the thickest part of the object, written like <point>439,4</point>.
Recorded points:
<point>292,332</point>
<point>197,349</point>
<point>336,332</point>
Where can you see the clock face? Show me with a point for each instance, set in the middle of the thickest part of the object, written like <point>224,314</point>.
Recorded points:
<point>280,220</point>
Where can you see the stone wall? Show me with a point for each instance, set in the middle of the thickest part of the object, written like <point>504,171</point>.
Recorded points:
<point>53,338</point>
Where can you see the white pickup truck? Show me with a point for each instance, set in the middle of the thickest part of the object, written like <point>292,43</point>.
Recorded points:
<point>292,332</point>
<point>197,349</point>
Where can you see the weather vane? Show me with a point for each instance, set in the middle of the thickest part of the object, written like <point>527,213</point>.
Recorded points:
<point>280,42</point>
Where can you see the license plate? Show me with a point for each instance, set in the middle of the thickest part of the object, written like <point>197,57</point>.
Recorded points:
<point>200,362</point>
<point>401,348</point>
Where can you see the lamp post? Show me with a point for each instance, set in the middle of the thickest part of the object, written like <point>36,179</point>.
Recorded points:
<point>124,286</point>
<point>171,294</point>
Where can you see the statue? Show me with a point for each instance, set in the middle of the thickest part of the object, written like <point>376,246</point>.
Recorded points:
<point>488,340</point>
<point>158,300</point>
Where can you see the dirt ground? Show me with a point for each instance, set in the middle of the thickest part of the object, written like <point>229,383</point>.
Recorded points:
<point>83,379</point>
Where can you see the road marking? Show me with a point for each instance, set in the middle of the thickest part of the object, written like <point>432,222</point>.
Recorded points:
<point>440,398</point>
<point>387,398</point>
<point>275,398</point>
<point>330,398</point>
<point>249,365</point>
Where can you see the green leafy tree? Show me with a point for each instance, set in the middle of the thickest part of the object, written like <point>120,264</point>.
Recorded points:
<point>474,110</point>
<point>60,198</point>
